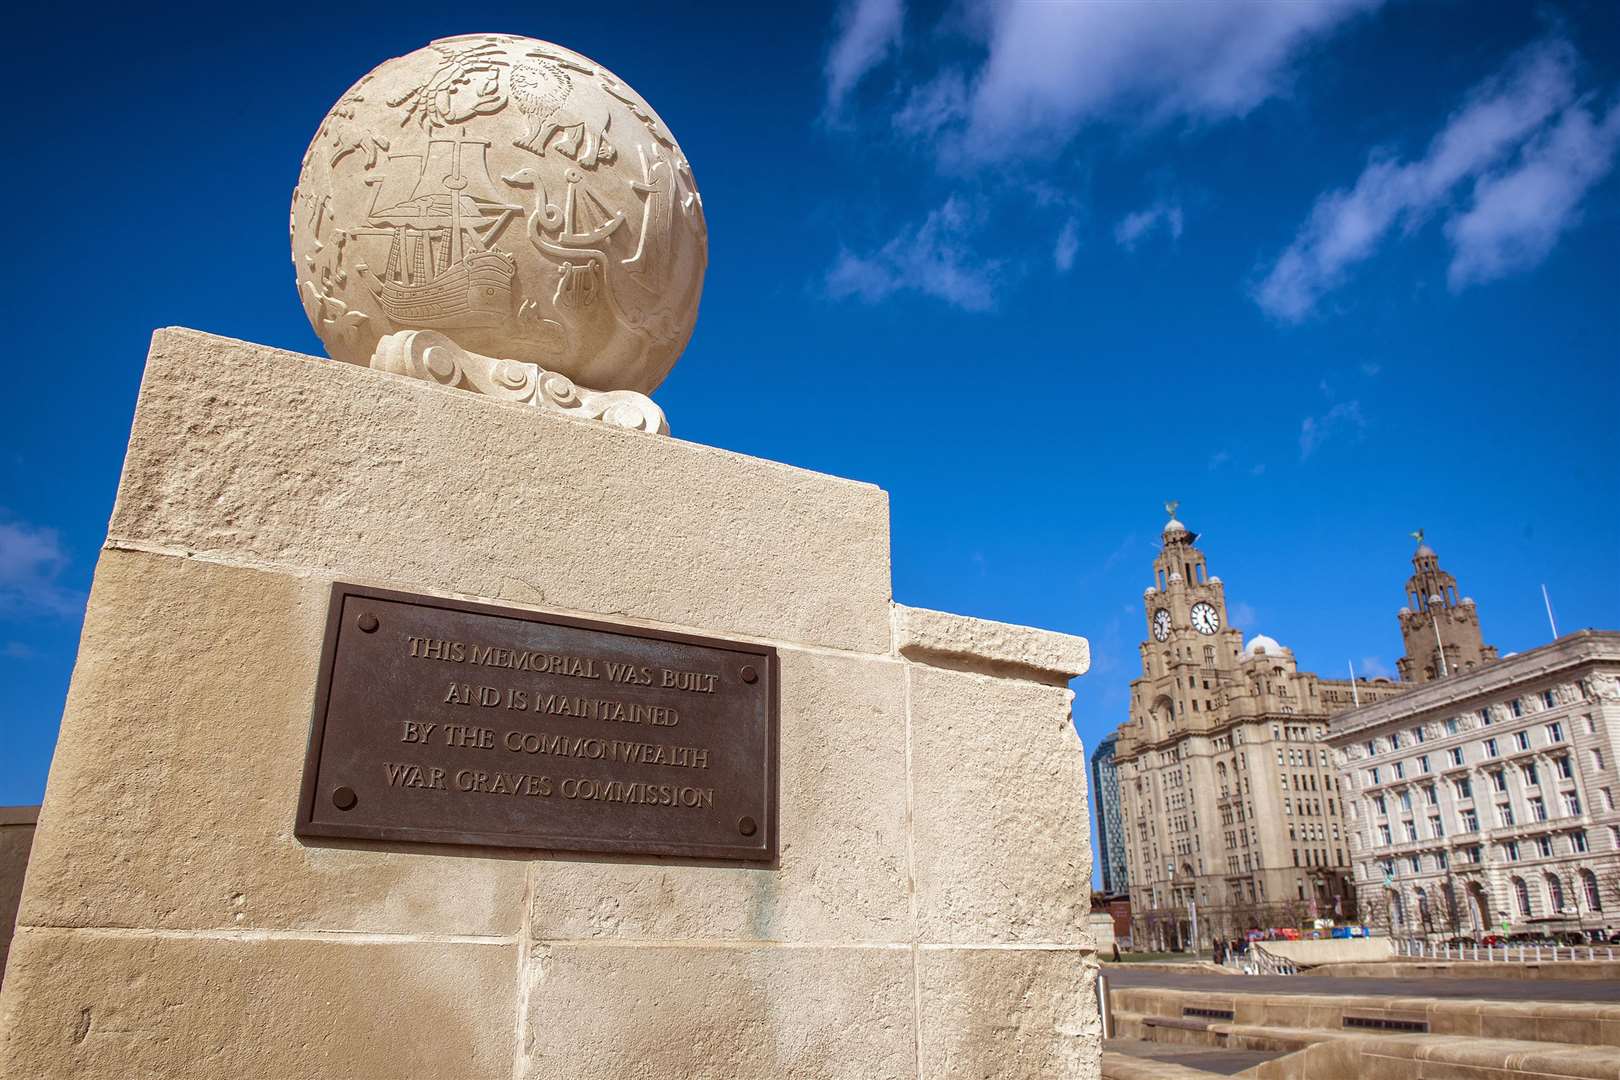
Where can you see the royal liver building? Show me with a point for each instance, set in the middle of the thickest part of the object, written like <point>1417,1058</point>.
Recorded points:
<point>1230,800</point>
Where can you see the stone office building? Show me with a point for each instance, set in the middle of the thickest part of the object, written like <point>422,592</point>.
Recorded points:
<point>1487,799</point>
<point>1228,796</point>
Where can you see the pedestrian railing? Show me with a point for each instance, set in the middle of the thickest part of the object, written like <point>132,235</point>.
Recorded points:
<point>1268,963</point>
<point>1502,954</point>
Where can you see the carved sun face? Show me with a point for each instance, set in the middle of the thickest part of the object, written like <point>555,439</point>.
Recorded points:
<point>1205,619</point>
<point>1161,624</point>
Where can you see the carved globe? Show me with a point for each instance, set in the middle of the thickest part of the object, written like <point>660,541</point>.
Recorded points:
<point>512,195</point>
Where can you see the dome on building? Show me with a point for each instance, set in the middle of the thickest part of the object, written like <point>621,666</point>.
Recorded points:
<point>1468,601</point>
<point>1425,549</point>
<point>1174,528</point>
<point>1214,579</point>
<point>1261,645</point>
<point>1174,577</point>
<point>1405,611</point>
<point>1149,591</point>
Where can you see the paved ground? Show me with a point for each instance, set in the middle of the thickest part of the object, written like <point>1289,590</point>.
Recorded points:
<point>1208,1059</point>
<point>1489,989</point>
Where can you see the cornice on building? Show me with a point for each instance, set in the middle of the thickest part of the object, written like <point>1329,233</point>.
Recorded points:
<point>1570,651</point>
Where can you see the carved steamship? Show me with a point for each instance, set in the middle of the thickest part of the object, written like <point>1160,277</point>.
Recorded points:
<point>440,219</point>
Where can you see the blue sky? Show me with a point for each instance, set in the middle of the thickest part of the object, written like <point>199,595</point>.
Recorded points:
<point>1325,273</point>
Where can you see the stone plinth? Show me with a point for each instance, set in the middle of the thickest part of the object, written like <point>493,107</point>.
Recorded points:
<point>927,914</point>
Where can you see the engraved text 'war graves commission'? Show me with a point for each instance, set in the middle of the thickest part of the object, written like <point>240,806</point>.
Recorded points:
<point>450,722</point>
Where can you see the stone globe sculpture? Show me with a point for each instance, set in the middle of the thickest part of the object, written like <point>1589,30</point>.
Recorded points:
<point>503,215</point>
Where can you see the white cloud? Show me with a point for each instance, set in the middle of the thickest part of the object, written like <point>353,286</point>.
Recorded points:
<point>1373,667</point>
<point>1068,245</point>
<point>1518,214</point>
<point>1242,614</point>
<point>1134,226</point>
<point>31,561</point>
<point>867,31</point>
<point>1343,418</point>
<point>932,105</point>
<point>1498,118</point>
<point>935,259</point>
<point>1053,67</point>
<point>1219,458</point>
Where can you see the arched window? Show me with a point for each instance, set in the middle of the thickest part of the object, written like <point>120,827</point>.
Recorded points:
<point>1397,908</point>
<point>1589,886</point>
<point>1521,897</point>
<point>1555,894</point>
<point>1423,908</point>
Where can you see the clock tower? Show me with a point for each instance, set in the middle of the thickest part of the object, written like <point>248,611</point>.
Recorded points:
<point>1440,630</point>
<point>1188,637</point>
<point>1229,802</point>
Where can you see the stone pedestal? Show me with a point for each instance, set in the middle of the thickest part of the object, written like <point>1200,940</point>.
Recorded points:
<point>927,916</point>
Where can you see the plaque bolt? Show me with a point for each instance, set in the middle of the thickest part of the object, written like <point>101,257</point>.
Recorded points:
<point>367,622</point>
<point>749,675</point>
<point>344,798</point>
<point>748,826</point>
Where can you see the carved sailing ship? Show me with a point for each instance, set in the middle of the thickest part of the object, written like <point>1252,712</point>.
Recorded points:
<point>441,219</point>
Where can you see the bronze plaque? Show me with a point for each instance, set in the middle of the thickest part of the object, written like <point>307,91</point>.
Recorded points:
<point>458,723</point>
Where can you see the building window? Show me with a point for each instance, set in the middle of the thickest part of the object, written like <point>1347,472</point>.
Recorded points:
<point>1498,780</point>
<point>1372,747</point>
<point>1538,809</point>
<point>1565,770</point>
<point>1451,726</point>
<point>1410,829</point>
<point>1490,748</point>
<point>1465,788</point>
<point>1597,761</point>
<point>1456,754</point>
<point>1516,706</point>
<point>1531,776</point>
<point>1511,850</point>
<point>1521,897</point>
<point>1470,820</point>
<point>1608,798</point>
<point>1400,770</point>
<point>1578,842</point>
<point>1394,740</point>
<point>1418,734</point>
<point>1476,853</point>
<point>1384,838</point>
<point>1435,829</point>
<point>1555,894</point>
<point>1378,801</point>
<point>1406,800</point>
<point>1423,763</point>
<point>1504,814</point>
<point>1485,716</point>
<point>1547,699</point>
<point>1555,732</point>
<point>1544,846</point>
<point>1572,804</point>
<point>1372,775</point>
<point>1430,796</point>
<point>1521,739</point>
<point>1441,859</point>
<point>1416,863</point>
<point>1589,885</point>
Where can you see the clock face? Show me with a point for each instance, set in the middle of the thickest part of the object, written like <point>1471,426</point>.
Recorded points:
<point>1205,619</point>
<point>1161,624</point>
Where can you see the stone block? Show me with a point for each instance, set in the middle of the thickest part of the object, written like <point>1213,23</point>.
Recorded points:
<point>607,1012</point>
<point>250,454</point>
<point>946,640</point>
<point>230,1007</point>
<point>842,870</point>
<point>1001,833</point>
<point>1014,1014</point>
<point>175,784</point>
